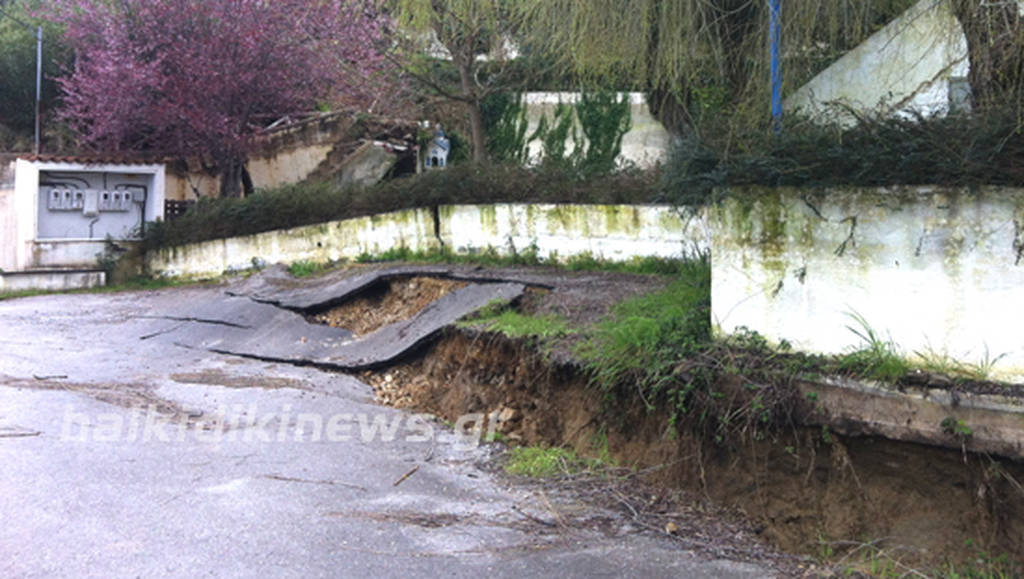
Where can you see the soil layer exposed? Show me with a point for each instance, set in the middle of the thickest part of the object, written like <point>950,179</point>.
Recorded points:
<point>392,301</point>
<point>803,489</point>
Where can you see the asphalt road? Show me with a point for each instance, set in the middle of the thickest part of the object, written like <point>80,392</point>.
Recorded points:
<point>126,455</point>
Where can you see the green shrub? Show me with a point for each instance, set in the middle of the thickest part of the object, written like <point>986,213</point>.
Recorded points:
<point>957,150</point>
<point>306,204</point>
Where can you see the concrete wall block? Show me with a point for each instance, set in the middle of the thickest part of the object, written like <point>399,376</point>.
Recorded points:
<point>937,269</point>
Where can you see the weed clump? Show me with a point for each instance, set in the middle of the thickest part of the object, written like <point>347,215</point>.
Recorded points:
<point>640,347</point>
<point>539,462</point>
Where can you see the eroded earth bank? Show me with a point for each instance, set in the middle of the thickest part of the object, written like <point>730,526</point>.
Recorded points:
<point>250,481</point>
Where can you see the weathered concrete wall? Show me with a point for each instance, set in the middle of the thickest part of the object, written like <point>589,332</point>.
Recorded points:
<point>291,165</point>
<point>336,240</point>
<point>52,280</point>
<point>906,65</point>
<point>646,143</point>
<point>615,232</point>
<point>916,414</point>
<point>8,217</point>
<point>937,269</point>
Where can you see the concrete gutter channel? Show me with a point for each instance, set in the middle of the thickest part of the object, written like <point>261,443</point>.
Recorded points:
<point>983,423</point>
<point>263,319</point>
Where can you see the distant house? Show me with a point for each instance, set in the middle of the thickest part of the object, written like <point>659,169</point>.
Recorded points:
<point>918,63</point>
<point>435,156</point>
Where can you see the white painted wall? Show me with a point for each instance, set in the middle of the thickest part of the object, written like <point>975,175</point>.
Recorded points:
<point>614,232</point>
<point>331,241</point>
<point>646,144</point>
<point>906,65</point>
<point>8,216</point>
<point>937,269</point>
<point>32,252</point>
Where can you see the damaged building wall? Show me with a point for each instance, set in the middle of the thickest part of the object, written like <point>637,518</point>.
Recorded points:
<point>318,148</point>
<point>913,63</point>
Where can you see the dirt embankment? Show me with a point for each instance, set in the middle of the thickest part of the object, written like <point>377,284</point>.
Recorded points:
<point>803,489</point>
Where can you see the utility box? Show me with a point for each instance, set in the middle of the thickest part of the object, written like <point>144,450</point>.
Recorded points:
<point>63,210</point>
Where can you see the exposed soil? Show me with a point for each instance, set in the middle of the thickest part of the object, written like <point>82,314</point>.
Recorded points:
<point>803,490</point>
<point>386,303</point>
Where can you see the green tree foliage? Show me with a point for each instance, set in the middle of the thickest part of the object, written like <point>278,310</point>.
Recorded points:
<point>18,71</point>
<point>594,127</point>
<point>555,136</point>
<point>504,116</point>
<point>699,57</point>
<point>604,119</point>
<point>477,36</point>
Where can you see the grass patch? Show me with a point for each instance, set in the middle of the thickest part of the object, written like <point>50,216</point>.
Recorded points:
<point>877,359</point>
<point>853,559</point>
<point>516,325</point>
<point>936,362</point>
<point>636,350</point>
<point>538,462</point>
<point>306,268</point>
<point>529,256</point>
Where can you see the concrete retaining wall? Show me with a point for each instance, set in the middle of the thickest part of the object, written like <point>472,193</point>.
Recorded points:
<point>939,270</point>
<point>616,232</point>
<point>333,241</point>
<point>612,232</point>
<point>906,66</point>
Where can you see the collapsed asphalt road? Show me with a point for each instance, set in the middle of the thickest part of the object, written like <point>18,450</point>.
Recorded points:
<point>133,444</point>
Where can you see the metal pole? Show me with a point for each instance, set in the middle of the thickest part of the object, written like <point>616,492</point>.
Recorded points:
<point>775,34</point>
<point>39,68</point>
<point>39,79</point>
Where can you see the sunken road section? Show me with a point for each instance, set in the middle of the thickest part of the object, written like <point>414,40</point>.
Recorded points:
<point>266,318</point>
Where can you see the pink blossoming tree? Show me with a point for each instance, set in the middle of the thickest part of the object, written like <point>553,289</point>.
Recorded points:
<point>202,77</point>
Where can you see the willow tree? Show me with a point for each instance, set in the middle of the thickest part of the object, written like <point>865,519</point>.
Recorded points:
<point>476,35</point>
<point>696,58</point>
<point>995,48</point>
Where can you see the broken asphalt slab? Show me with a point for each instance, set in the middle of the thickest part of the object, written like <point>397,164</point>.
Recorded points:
<point>82,495</point>
<point>261,320</point>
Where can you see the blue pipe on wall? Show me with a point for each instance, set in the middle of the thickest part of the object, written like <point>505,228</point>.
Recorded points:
<point>775,34</point>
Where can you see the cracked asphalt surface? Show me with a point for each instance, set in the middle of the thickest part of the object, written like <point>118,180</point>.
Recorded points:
<point>124,456</point>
